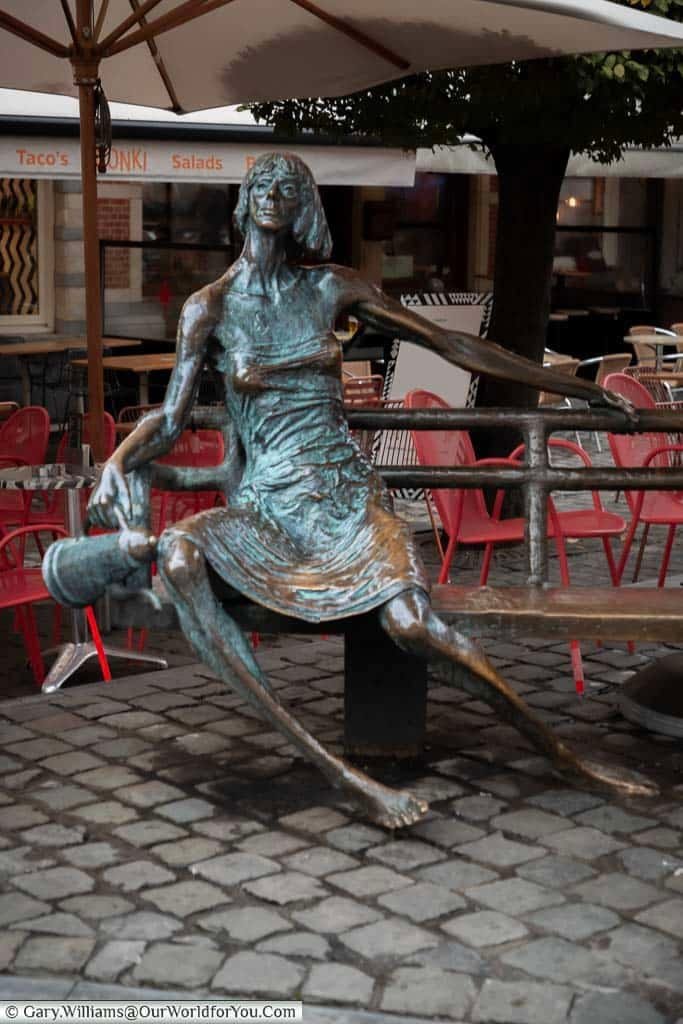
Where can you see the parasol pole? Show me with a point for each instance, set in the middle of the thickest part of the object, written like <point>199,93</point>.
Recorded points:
<point>85,63</point>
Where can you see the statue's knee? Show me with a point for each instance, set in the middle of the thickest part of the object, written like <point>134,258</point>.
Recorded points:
<point>180,561</point>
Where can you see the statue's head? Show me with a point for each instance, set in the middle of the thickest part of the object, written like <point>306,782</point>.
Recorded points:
<point>297,191</point>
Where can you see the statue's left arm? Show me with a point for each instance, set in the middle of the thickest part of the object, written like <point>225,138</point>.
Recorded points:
<point>473,353</point>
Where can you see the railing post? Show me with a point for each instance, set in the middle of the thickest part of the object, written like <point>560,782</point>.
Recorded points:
<point>536,504</point>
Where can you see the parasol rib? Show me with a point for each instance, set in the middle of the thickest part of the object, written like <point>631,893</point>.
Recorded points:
<point>186,12</point>
<point>100,19</point>
<point>69,20</point>
<point>31,35</point>
<point>353,34</point>
<point>158,60</point>
<point>132,19</point>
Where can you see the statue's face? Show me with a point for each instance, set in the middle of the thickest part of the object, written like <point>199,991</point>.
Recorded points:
<point>274,200</point>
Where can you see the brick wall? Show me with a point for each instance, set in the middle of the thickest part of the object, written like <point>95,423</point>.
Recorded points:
<point>113,222</point>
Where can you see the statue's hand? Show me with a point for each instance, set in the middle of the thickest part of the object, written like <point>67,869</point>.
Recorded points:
<point>110,504</point>
<point>613,401</point>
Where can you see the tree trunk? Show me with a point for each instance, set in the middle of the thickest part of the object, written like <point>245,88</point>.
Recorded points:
<point>529,182</point>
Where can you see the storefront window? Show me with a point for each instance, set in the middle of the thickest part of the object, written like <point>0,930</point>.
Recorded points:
<point>19,256</point>
<point>415,226</point>
<point>604,247</point>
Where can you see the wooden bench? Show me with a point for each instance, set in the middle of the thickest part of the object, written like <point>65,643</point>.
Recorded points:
<point>385,690</point>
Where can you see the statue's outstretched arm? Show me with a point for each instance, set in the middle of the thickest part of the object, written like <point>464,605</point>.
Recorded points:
<point>476,354</point>
<point>111,504</point>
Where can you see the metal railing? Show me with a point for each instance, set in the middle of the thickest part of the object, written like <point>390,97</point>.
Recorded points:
<point>535,477</point>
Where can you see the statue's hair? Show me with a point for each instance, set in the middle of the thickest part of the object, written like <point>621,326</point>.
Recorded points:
<point>310,230</point>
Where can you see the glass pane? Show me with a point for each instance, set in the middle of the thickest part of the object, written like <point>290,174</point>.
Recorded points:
<point>188,213</point>
<point>146,286</point>
<point>18,247</point>
<point>591,267</point>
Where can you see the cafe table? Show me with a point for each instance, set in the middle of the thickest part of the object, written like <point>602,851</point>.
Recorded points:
<point>25,350</point>
<point>72,479</point>
<point>142,365</point>
<point>656,341</point>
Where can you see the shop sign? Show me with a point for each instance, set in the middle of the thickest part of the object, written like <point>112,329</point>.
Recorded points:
<point>35,157</point>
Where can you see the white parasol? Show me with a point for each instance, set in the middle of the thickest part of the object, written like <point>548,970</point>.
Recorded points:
<point>191,54</point>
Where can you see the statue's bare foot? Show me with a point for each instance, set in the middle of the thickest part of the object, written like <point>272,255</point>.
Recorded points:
<point>392,808</point>
<point>606,776</point>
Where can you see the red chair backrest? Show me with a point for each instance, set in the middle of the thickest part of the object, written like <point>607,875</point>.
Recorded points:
<point>193,448</point>
<point>109,436</point>
<point>25,435</point>
<point>633,449</point>
<point>446,448</point>
<point>628,387</point>
<point>196,448</point>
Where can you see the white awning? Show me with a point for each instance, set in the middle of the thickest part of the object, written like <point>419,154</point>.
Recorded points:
<point>48,157</point>
<point>665,162</point>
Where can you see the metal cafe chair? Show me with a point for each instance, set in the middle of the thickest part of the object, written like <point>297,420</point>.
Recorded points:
<point>466,519</point>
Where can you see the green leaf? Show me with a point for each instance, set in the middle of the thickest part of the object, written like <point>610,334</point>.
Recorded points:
<point>619,71</point>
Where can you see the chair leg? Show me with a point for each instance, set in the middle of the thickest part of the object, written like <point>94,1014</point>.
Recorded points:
<point>99,646</point>
<point>626,549</point>
<point>486,565</point>
<point>611,564</point>
<point>30,631</point>
<point>574,645</point>
<point>641,552</point>
<point>667,555</point>
<point>447,559</point>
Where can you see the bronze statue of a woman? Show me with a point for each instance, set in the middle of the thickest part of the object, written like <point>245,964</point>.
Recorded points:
<point>308,528</point>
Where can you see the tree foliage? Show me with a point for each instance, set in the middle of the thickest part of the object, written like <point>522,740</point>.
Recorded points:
<point>597,103</point>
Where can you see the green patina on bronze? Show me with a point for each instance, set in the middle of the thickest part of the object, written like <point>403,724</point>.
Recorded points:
<point>308,528</point>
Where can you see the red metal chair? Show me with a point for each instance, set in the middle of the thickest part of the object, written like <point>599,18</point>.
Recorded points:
<point>52,508</point>
<point>22,586</point>
<point>23,442</point>
<point>661,508</point>
<point>466,519</point>
<point>197,448</point>
<point>658,449</point>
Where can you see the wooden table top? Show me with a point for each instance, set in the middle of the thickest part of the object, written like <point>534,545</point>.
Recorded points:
<point>134,363</point>
<point>653,339</point>
<point>45,346</point>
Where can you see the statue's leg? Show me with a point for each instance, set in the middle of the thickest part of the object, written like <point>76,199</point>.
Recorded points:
<point>413,625</point>
<point>219,642</point>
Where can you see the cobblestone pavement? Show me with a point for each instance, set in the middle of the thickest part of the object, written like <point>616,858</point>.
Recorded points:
<point>156,838</point>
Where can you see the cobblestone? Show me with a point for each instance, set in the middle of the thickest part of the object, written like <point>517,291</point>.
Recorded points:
<point>258,974</point>
<point>338,983</point>
<point>500,852</point>
<point>514,896</point>
<point>137,874</point>
<point>369,881</point>
<point>389,938</point>
<point>287,887</point>
<point>428,991</point>
<point>517,1002</point>
<point>245,924</point>
<point>422,901</point>
<point>618,891</point>
<point>613,1008</point>
<point>55,883</point>
<point>65,956</point>
<point>576,921</point>
<point>189,967</point>
<point>186,897</point>
<point>97,907</point>
<point>114,958</point>
<point>485,928</point>
<point>491,910</point>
